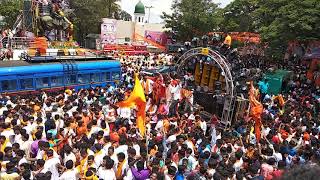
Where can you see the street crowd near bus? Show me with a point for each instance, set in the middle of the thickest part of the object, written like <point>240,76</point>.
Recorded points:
<point>84,135</point>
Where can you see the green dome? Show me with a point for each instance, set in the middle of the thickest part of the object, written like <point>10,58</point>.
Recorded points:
<point>139,9</point>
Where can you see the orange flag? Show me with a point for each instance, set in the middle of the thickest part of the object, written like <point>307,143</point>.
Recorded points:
<point>137,99</point>
<point>281,100</point>
<point>256,109</point>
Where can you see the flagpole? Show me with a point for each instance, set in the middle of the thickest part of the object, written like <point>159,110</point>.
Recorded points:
<point>164,143</point>
<point>147,144</point>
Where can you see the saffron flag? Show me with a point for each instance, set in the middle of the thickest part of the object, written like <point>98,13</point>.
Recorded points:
<point>280,99</point>
<point>137,99</point>
<point>256,109</point>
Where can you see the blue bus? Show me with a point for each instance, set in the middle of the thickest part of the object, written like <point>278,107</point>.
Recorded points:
<point>25,77</point>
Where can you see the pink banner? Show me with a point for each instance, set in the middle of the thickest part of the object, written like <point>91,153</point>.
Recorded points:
<point>157,37</point>
<point>108,31</point>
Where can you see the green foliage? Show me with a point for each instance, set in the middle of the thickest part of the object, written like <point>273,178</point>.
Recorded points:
<point>277,21</point>
<point>88,14</point>
<point>10,10</point>
<point>282,21</point>
<point>192,18</point>
<point>238,16</point>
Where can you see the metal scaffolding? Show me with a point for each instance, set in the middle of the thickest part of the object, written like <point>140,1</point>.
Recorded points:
<point>230,97</point>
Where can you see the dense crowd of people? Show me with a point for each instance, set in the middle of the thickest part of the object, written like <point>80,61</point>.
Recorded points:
<point>84,135</point>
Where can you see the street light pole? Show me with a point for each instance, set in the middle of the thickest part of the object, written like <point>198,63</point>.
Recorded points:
<point>149,7</point>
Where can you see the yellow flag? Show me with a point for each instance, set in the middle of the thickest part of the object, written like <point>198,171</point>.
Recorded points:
<point>138,99</point>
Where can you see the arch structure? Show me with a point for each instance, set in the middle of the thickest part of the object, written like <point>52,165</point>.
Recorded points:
<point>225,67</point>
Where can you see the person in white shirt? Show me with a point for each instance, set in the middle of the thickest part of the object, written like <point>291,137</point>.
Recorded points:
<point>124,113</point>
<point>106,171</point>
<point>159,126</point>
<point>2,108</point>
<point>70,173</point>
<point>26,144</point>
<point>192,162</point>
<point>147,85</point>
<point>203,125</point>
<point>68,155</point>
<point>175,91</point>
<point>107,143</point>
<point>174,88</point>
<point>51,165</point>
<point>7,132</point>
<point>122,166</point>
<point>112,155</point>
<point>99,154</point>
<point>122,148</point>
<point>43,148</point>
<point>21,156</point>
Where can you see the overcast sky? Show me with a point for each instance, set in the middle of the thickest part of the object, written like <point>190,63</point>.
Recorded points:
<point>159,7</point>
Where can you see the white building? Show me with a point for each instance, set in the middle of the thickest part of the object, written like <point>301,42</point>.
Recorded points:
<point>119,31</point>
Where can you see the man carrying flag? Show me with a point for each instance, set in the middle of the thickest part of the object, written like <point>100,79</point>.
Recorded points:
<point>137,99</point>
<point>256,109</point>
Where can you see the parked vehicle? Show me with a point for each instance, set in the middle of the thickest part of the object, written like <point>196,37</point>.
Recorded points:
<point>26,77</point>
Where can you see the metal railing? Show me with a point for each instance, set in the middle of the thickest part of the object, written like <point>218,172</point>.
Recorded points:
<point>15,42</point>
<point>20,42</point>
<point>59,56</point>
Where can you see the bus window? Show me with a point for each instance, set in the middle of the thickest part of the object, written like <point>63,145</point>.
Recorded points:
<point>9,85</point>
<point>105,76</point>
<point>71,79</point>
<point>42,82</point>
<point>115,76</point>
<point>84,78</point>
<point>26,83</point>
<point>95,77</point>
<point>57,81</point>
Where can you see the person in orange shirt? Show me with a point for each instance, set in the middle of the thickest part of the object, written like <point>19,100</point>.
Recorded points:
<point>81,129</point>
<point>86,118</point>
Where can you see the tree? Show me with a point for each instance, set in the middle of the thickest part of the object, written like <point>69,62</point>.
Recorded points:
<point>87,15</point>
<point>282,21</point>
<point>238,16</point>
<point>10,10</point>
<point>277,21</point>
<point>192,18</point>
<point>123,15</point>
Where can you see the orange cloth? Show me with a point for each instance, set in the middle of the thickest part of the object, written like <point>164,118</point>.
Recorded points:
<point>40,43</point>
<point>280,99</point>
<point>153,152</point>
<point>86,120</point>
<point>36,108</point>
<point>256,109</point>
<point>166,125</point>
<point>73,125</point>
<point>114,136</point>
<point>284,134</point>
<point>81,130</point>
<point>122,130</point>
<point>306,136</point>
<point>119,169</point>
<point>138,99</point>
